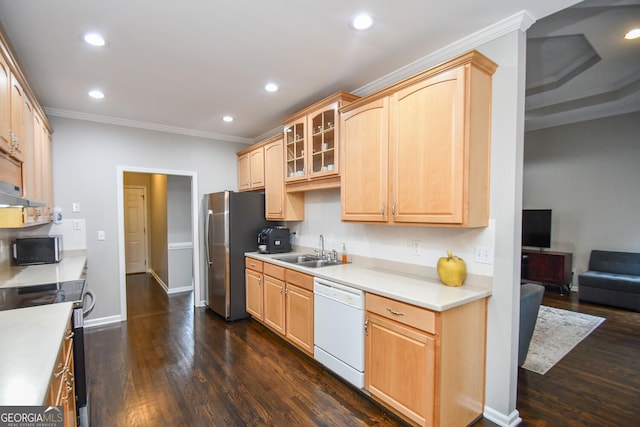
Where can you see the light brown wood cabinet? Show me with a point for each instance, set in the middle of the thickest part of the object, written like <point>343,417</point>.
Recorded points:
<point>426,366</point>
<point>25,145</point>
<point>311,145</point>
<point>299,310</point>
<point>287,301</point>
<point>5,105</point>
<point>251,168</point>
<point>253,284</point>
<point>274,299</point>
<point>62,386</point>
<point>17,119</point>
<point>279,205</point>
<point>418,151</point>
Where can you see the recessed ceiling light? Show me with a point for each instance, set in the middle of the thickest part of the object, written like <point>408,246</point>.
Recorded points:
<point>362,21</point>
<point>271,87</point>
<point>96,94</point>
<point>227,119</point>
<point>94,39</point>
<point>633,34</point>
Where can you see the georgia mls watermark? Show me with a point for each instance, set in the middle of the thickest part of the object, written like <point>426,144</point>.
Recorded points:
<point>31,416</point>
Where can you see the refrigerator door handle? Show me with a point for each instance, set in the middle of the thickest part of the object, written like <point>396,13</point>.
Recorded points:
<point>207,227</point>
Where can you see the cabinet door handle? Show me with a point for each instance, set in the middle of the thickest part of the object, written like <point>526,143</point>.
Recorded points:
<point>382,210</point>
<point>366,326</point>
<point>396,313</point>
<point>393,210</point>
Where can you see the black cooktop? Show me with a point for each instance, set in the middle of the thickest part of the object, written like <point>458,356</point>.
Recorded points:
<point>49,293</point>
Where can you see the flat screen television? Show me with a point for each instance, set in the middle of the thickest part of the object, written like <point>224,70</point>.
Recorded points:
<point>536,228</point>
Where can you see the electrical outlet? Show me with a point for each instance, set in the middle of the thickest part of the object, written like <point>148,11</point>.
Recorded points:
<point>416,247</point>
<point>484,255</point>
<point>76,224</point>
<point>101,235</point>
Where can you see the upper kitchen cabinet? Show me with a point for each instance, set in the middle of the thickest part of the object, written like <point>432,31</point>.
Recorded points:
<point>18,133</point>
<point>365,176</point>
<point>5,105</point>
<point>251,168</point>
<point>25,145</point>
<point>423,158</point>
<point>311,145</point>
<point>279,205</point>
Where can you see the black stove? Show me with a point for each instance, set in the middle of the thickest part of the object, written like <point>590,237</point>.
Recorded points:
<point>49,293</point>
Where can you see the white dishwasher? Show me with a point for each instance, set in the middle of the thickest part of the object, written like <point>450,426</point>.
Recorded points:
<point>338,328</point>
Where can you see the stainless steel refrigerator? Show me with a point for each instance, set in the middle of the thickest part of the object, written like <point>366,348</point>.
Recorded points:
<point>232,223</point>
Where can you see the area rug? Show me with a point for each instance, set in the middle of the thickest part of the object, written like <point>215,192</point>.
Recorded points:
<point>556,333</point>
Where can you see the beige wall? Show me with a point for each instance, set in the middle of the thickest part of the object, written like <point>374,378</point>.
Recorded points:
<point>158,226</point>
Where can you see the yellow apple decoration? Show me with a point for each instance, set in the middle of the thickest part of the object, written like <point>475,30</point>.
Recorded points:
<point>452,270</point>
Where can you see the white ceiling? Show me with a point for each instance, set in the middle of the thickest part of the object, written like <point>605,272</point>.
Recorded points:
<point>580,67</point>
<point>182,65</point>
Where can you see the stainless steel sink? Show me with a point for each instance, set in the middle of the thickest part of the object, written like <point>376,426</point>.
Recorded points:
<point>311,261</point>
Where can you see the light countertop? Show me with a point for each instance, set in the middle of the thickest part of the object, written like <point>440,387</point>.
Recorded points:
<point>421,291</point>
<point>31,340</point>
<point>71,267</point>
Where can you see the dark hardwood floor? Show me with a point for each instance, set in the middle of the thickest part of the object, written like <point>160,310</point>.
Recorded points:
<point>171,364</point>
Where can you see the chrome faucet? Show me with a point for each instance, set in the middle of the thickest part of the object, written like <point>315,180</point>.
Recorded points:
<point>322,246</point>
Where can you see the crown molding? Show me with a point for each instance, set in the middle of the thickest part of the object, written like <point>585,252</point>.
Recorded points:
<point>145,125</point>
<point>520,21</point>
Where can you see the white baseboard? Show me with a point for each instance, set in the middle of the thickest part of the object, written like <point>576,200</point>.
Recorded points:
<point>159,280</point>
<point>180,289</point>
<point>92,323</point>
<point>167,289</point>
<point>511,420</point>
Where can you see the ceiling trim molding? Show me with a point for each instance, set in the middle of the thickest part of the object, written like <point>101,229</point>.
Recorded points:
<point>57,112</point>
<point>520,21</point>
<point>268,134</point>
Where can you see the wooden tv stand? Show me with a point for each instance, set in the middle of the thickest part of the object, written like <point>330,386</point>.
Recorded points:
<point>547,268</point>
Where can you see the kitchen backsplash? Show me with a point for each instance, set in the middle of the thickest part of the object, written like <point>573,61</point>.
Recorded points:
<point>406,244</point>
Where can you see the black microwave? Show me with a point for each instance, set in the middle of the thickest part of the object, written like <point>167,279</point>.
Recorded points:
<point>37,250</point>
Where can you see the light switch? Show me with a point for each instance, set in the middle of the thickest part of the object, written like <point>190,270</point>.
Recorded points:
<point>101,235</point>
<point>75,207</point>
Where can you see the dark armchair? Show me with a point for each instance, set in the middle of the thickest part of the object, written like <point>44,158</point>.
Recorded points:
<point>530,300</point>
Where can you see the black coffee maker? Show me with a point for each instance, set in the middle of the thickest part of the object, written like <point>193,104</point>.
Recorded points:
<point>274,240</point>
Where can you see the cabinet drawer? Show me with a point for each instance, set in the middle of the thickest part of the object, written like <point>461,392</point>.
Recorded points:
<point>253,264</point>
<point>419,318</point>
<point>300,279</point>
<point>273,270</point>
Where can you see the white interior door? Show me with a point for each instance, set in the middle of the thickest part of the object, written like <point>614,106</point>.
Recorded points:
<point>135,226</point>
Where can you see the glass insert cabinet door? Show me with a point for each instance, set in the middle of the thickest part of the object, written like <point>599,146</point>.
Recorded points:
<point>323,141</point>
<point>294,137</point>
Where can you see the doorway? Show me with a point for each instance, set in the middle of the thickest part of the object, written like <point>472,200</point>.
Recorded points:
<point>183,243</point>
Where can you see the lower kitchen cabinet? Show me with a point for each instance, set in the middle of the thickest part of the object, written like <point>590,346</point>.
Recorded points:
<point>299,310</point>
<point>253,284</point>
<point>274,285</point>
<point>62,387</point>
<point>282,299</point>
<point>400,367</point>
<point>426,366</point>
